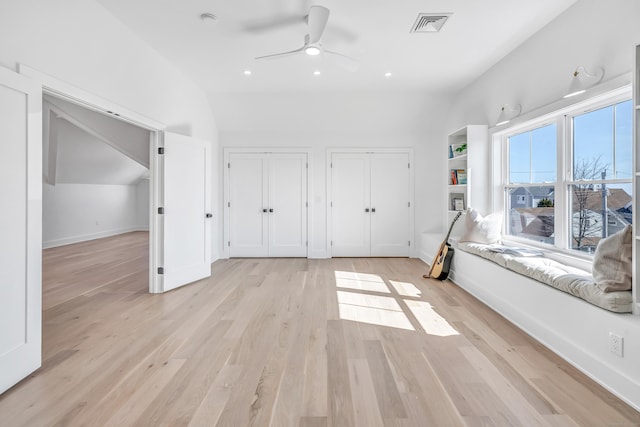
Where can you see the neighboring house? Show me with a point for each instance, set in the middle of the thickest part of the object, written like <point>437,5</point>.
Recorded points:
<point>537,223</point>
<point>529,197</point>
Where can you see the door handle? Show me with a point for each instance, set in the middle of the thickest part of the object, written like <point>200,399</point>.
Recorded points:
<point>271,210</point>
<point>366,209</point>
<point>209,215</point>
<point>373,210</point>
<point>264,210</point>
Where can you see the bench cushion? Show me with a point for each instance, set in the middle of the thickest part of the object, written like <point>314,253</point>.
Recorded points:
<point>574,281</point>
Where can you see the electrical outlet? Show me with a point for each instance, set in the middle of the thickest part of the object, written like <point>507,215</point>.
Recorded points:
<point>616,343</point>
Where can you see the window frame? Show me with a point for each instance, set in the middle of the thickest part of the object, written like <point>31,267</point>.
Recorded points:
<point>563,119</point>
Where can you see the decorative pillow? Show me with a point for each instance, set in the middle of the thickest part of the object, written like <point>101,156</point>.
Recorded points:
<point>612,262</point>
<point>485,230</point>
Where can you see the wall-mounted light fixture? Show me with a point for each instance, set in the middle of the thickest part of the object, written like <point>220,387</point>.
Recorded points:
<point>583,79</point>
<point>508,113</point>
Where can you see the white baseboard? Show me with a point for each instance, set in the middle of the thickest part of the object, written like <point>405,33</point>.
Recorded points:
<point>92,236</point>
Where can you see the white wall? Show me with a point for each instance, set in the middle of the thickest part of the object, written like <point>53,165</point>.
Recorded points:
<point>78,212</point>
<point>591,33</point>
<point>79,42</point>
<point>331,120</point>
<point>142,205</point>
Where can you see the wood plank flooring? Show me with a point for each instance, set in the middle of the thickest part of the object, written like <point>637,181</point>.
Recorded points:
<point>286,342</point>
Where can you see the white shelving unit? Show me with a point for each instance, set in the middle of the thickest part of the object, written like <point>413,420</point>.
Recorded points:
<point>470,181</point>
<point>636,182</point>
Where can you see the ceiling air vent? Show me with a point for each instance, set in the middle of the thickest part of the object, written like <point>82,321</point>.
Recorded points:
<point>429,22</point>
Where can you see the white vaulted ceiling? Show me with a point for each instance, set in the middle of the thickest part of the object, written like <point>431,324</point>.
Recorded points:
<point>214,53</point>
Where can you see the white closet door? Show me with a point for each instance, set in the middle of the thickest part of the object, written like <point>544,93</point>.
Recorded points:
<point>187,201</point>
<point>287,205</point>
<point>350,221</point>
<point>390,204</point>
<point>248,199</point>
<point>20,227</point>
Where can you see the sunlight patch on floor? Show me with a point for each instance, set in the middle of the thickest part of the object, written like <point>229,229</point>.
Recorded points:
<point>361,281</point>
<point>431,322</point>
<point>406,289</point>
<point>372,309</point>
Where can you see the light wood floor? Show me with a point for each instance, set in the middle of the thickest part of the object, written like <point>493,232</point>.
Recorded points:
<point>339,342</point>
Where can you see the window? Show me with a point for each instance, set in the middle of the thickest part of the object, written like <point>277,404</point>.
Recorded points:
<point>568,175</point>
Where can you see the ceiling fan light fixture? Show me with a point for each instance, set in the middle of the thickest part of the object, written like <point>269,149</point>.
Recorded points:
<point>312,50</point>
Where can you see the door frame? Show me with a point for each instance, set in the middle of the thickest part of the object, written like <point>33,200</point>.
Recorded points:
<point>60,89</point>
<point>370,150</point>
<point>226,190</point>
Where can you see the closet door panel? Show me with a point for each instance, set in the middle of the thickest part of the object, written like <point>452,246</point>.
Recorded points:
<point>248,224</point>
<point>287,199</point>
<point>390,199</point>
<point>350,223</point>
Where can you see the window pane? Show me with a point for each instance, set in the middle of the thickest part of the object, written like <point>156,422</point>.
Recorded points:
<point>531,213</point>
<point>623,157</point>
<point>543,153</point>
<point>520,158</point>
<point>532,156</point>
<point>593,144</point>
<point>589,221</point>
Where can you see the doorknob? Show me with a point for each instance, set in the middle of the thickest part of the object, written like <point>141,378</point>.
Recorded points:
<point>373,209</point>
<point>209,215</point>
<point>271,210</point>
<point>264,210</point>
<point>366,209</point>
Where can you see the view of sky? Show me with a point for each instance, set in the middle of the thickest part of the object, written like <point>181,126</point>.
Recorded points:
<point>604,134</point>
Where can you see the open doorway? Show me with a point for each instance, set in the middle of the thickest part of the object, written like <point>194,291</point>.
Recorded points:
<point>96,203</point>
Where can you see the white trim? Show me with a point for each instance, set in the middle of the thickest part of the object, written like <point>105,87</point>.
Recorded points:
<point>86,237</point>
<point>60,89</point>
<point>68,92</point>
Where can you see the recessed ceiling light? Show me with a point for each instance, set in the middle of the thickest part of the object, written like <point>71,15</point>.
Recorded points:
<point>316,73</point>
<point>387,74</point>
<point>247,72</point>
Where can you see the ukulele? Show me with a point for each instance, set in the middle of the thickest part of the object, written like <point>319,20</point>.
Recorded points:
<point>440,266</point>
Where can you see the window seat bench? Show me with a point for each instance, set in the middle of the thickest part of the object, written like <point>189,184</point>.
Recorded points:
<point>573,281</point>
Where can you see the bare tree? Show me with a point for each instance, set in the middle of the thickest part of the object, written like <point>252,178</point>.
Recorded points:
<point>584,172</point>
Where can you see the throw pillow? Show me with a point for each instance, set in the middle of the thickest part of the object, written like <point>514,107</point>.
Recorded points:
<point>612,262</point>
<point>481,229</point>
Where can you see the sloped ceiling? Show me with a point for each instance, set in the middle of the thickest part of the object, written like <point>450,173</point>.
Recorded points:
<point>82,146</point>
<point>85,159</point>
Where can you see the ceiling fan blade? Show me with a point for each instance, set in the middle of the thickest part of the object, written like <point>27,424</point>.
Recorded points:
<point>344,61</point>
<point>281,55</point>
<point>316,23</point>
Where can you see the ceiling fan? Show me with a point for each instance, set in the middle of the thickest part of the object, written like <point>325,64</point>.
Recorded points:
<point>316,24</point>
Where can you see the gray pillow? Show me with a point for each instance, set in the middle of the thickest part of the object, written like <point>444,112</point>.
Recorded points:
<point>612,262</point>
<point>485,230</point>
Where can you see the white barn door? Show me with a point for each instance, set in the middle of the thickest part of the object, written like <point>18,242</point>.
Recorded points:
<point>350,205</point>
<point>391,201</point>
<point>20,227</point>
<point>186,242</point>
<point>287,205</point>
<point>248,205</point>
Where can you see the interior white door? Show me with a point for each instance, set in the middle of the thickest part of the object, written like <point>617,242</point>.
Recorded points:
<point>390,207</point>
<point>20,227</point>
<point>187,201</point>
<point>248,205</point>
<point>287,204</point>
<point>350,205</point>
